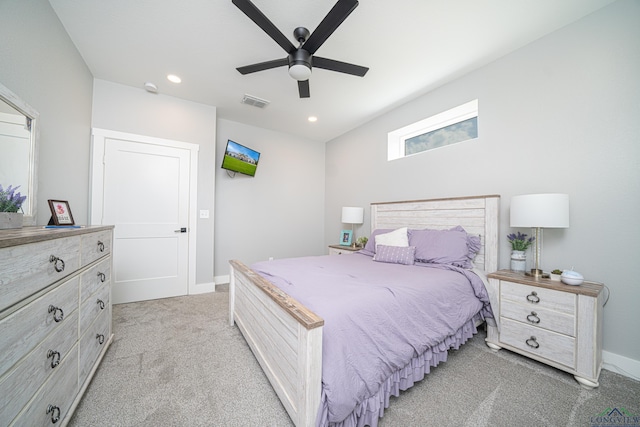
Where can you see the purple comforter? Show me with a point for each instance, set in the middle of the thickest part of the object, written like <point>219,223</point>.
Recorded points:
<point>378,317</point>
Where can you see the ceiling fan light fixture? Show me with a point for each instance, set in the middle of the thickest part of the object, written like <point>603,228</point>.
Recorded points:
<point>300,72</point>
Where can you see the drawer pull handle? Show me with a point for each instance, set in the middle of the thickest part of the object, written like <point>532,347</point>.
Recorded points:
<point>55,358</point>
<point>100,304</point>
<point>100,338</point>
<point>100,246</point>
<point>531,342</point>
<point>55,413</point>
<point>58,263</point>
<point>533,298</point>
<point>533,317</point>
<point>102,277</point>
<point>55,310</point>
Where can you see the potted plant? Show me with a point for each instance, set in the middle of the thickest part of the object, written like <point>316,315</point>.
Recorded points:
<point>520,242</point>
<point>362,241</point>
<point>556,275</point>
<point>10,203</point>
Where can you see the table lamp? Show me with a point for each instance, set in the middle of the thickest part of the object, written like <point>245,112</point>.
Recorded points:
<point>351,215</point>
<point>539,211</point>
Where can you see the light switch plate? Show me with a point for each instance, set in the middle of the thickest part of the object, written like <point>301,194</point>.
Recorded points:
<point>204,213</point>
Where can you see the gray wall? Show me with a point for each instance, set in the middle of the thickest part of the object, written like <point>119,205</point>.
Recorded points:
<point>278,213</point>
<point>134,110</point>
<point>559,115</point>
<point>40,64</point>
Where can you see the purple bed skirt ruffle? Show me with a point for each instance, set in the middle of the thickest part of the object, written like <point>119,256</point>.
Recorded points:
<point>372,409</point>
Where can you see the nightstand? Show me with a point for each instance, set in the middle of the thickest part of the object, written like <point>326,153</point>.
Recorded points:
<point>554,323</point>
<point>342,250</point>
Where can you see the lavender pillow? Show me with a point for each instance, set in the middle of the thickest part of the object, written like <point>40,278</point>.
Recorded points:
<point>395,254</point>
<point>452,246</point>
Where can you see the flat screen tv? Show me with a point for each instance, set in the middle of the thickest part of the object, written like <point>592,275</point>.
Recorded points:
<point>238,158</point>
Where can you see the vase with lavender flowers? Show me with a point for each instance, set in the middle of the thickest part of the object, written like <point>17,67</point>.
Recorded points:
<point>10,203</point>
<point>520,242</point>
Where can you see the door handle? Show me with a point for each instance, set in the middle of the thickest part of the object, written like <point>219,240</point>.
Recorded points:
<point>182,230</point>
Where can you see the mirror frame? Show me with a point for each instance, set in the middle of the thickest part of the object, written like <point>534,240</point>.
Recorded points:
<point>22,107</point>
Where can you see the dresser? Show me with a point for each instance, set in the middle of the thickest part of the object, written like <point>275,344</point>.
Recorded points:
<point>551,322</point>
<point>55,319</point>
<point>342,250</point>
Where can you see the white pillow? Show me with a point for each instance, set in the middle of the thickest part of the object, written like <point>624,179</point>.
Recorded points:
<point>397,237</point>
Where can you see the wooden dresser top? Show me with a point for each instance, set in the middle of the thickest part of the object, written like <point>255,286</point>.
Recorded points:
<point>25,235</point>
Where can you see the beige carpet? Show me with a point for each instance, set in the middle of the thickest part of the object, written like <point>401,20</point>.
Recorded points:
<point>177,362</point>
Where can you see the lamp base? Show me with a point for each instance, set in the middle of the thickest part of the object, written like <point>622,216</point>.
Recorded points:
<point>537,273</point>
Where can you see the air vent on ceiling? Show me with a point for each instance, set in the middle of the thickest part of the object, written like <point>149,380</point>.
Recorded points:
<point>255,101</point>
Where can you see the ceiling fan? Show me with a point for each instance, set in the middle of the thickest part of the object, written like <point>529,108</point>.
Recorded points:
<point>301,59</point>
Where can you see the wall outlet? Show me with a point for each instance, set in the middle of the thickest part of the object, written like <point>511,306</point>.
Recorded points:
<point>204,214</point>
<point>270,258</point>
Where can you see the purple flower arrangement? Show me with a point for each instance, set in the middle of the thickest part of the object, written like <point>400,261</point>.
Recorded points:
<point>10,201</point>
<point>519,242</point>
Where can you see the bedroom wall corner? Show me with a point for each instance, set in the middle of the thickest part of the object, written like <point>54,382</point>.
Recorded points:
<point>558,115</point>
<point>278,213</point>
<point>61,92</point>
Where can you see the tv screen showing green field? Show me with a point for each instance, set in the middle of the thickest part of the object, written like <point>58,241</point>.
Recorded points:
<point>238,158</point>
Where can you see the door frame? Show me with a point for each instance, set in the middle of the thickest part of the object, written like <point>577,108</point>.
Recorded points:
<point>96,186</point>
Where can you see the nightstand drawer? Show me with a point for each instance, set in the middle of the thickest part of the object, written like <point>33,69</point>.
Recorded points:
<point>540,317</point>
<point>549,345</point>
<point>563,302</point>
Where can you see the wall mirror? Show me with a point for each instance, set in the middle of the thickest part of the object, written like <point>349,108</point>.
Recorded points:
<point>19,149</point>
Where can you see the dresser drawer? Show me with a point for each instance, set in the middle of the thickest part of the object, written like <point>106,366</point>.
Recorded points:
<point>19,385</point>
<point>95,278</point>
<point>550,345</point>
<point>92,343</point>
<point>93,307</point>
<point>95,246</point>
<point>563,302</point>
<point>541,317</point>
<point>26,269</point>
<point>23,330</point>
<point>55,397</point>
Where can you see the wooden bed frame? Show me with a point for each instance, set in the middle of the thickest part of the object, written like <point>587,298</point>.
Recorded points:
<point>286,337</point>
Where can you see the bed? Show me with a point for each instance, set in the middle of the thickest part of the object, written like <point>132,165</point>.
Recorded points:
<point>286,336</point>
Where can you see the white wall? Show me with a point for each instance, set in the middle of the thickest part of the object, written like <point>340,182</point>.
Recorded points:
<point>40,64</point>
<point>278,213</point>
<point>559,115</point>
<point>134,110</point>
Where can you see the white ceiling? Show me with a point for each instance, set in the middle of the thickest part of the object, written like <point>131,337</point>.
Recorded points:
<point>410,46</point>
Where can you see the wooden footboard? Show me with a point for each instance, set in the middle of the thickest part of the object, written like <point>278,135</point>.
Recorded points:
<point>285,337</point>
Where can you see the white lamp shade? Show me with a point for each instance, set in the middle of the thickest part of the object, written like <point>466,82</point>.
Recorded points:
<point>300,72</point>
<point>540,210</point>
<point>352,215</point>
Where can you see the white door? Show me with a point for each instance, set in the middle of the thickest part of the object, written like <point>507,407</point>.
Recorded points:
<point>146,195</point>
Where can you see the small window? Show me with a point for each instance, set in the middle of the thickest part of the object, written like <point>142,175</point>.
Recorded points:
<point>449,127</point>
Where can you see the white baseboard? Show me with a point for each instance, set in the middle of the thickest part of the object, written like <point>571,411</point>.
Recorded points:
<point>621,364</point>
<point>221,280</point>
<point>202,288</point>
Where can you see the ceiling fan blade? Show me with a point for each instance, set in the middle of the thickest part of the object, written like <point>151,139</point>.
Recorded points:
<point>334,18</point>
<point>303,88</point>
<point>263,22</point>
<point>341,67</point>
<point>253,68</point>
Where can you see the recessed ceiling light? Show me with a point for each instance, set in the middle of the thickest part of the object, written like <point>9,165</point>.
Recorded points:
<point>173,78</point>
<point>312,119</point>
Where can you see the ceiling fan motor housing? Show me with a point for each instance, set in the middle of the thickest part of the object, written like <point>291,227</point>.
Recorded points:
<point>300,64</point>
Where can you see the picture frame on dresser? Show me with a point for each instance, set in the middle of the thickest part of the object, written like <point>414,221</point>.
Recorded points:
<point>60,213</point>
<point>346,237</point>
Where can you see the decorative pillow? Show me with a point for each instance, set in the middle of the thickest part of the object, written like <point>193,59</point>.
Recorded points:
<point>395,254</point>
<point>443,246</point>
<point>370,247</point>
<point>397,237</point>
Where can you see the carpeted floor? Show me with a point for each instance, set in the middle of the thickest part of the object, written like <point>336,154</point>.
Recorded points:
<point>177,362</point>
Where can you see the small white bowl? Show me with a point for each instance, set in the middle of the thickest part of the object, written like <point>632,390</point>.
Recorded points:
<point>570,277</point>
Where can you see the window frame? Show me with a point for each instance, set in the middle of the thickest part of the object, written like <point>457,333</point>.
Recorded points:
<point>396,139</point>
